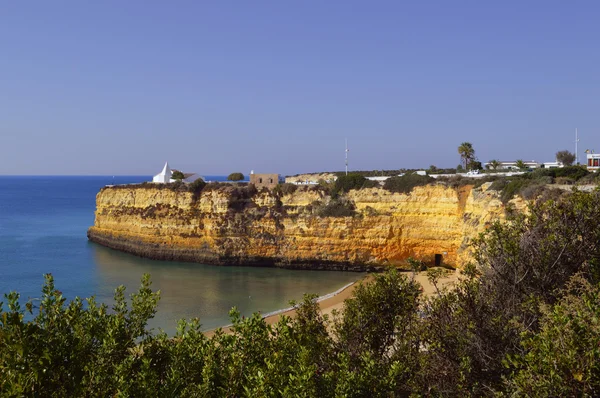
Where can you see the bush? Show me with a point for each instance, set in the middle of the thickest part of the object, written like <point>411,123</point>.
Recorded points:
<point>515,187</point>
<point>235,177</point>
<point>458,181</point>
<point>177,175</point>
<point>539,173</point>
<point>523,186</point>
<point>197,186</point>
<point>339,207</point>
<point>499,185</point>
<point>370,184</point>
<point>286,188</point>
<point>563,357</point>
<point>574,172</point>
<point>564,181</point>
<point>591,178</point>
<point>532,192</point>
<point>345,183</point>
<point>406,183</point>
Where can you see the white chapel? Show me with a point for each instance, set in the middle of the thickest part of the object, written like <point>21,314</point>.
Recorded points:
<point>164,175</point>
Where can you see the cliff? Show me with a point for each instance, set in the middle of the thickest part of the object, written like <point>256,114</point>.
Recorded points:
<point>228,225</point>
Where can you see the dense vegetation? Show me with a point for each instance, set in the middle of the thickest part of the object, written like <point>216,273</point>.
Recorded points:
<point>533,184</point>
<point>338,207</point>
<point>177,175</point>
<point>523,321</point>
<point>406,183</point>
<point>345,183</point>
<point>235,177</point>
<point>374,173</point>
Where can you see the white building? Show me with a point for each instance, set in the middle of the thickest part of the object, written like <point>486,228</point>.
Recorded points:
<point>190,177</point>
<point>164,175</point>
<point>512,164</point>
<point>593,160</point>
<point>552,165</point>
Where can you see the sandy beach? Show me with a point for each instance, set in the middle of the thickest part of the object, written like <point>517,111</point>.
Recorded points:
<point>330,302</point>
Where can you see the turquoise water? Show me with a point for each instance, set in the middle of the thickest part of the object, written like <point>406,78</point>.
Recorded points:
<point>43,224</point>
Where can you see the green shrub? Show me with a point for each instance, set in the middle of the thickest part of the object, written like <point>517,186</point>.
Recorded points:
<point>523,186</point>
<point>532,191</point>
<point>592,178</point>
<point>539,173</point>
<point>514,187</point>
<point>564,181</point>
<point>499,184</point>
<point>177,175</point>
<point>563,357</point>
<point>340,207</point>
<point>574,172</point>
<point>406,183</point>
<point>287,188</point>
<point>197,186</point>
<point>235,177</point>
<point>370,184</point>
<point>345,183</point>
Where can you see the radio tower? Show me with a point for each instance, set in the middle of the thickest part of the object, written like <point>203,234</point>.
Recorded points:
<point>576,141</point>
<point>347,150</point>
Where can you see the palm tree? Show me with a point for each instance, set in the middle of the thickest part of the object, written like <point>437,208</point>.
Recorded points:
<point>494,163</point>
<point>466,152</point>
<point>520,164</point>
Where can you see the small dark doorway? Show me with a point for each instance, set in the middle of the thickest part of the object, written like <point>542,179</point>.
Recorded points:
<point>438,260</point>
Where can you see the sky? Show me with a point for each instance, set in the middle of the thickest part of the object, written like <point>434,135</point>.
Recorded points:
<point>214,87</point>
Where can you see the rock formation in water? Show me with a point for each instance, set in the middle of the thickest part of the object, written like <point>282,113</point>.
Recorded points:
<point>227,225</point>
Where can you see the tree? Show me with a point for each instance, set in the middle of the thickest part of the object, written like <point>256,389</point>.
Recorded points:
<point>177,175</point>
<point>494,164</point>
<point>344,183</point>
<point>197,186</point>
<point>475,165</point>
<point>467,153</point>
<point>235,177</point>
<point>520,164</point>
<point>565,157</point>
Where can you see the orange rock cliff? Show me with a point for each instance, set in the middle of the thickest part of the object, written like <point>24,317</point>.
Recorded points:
<point>220,226</point>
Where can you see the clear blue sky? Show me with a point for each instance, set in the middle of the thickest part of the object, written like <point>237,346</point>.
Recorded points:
<point>118,87</point>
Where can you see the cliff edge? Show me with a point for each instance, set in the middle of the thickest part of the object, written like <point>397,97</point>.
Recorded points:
<point>234,225</point>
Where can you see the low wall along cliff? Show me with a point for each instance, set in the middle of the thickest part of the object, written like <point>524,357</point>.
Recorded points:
<point>225,226</point>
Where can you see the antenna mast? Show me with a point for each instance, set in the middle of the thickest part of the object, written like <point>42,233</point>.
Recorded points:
<point>576,141</point>
<point>347,156</point>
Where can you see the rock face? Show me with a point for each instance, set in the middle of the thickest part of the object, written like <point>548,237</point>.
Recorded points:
<point>224,226</point>
<point>313,178</point>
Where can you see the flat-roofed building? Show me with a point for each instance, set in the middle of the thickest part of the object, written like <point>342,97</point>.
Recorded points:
<point>552,165</point>
<point>512,164</point>
<point>265,180</point>
<point>593,160</point>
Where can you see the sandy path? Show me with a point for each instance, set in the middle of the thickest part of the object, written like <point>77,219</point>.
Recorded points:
<point>337,302</point>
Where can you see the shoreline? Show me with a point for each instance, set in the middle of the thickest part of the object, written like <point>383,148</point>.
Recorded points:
<point>335,300</point>
<point>327,303</point>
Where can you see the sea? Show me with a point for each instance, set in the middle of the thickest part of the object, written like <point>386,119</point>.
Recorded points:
<point>43,224</point>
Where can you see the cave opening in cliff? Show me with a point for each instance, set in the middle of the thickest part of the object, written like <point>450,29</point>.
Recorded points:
<point>438,260</point>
